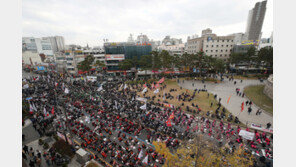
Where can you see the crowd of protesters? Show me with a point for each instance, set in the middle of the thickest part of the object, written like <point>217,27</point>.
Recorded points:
<point>120,129</point>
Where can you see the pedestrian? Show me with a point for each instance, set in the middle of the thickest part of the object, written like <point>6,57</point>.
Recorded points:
<point>247,102</point>
<point>192,84</point>
<point>268,125</point>
<point>234,82</point>
<point>38,162</point>
<point>26,149</point>
<point>249,110</point>
<point>257,113</point>
<point>31,163</point>
<point>211,104</point>
<point>24,155</point>
<point>243,95</point>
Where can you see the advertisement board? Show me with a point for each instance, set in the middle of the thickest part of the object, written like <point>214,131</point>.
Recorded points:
<point>114,56</point>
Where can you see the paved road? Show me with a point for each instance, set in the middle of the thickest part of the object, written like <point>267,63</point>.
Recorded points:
<point>30,133</point>
<point>226,89</point>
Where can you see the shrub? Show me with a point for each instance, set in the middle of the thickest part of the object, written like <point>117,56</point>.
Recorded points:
<point>63,148</point>
<point>45,146</point>
<point>55,136</point>
<point>40,142</point>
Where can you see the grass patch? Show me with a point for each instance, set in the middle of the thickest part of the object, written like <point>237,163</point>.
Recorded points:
<point>201,99</point>
<point>256,95</point>
<point>251,76</point>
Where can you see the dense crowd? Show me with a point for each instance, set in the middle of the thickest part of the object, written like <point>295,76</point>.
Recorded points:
<point>120,129</point>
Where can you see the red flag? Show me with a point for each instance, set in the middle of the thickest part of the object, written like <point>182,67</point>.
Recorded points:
<point>242,106</point>
<point>157,85</point>
<point>161,80</point>
<point>52,110</point>
<point>228,99</point>
<point>168,122</point>
<point>144,85</point>
<point>172,116</point>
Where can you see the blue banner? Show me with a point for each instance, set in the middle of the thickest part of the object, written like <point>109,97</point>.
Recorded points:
<point>39,68</point>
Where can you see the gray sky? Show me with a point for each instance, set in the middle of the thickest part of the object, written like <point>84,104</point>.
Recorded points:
<point>89,21</point>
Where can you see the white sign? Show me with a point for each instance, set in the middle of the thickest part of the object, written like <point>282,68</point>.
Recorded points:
<point>247,135</point>
<point>91,78</point>
<point>114,56</point>
<point>141,99</point>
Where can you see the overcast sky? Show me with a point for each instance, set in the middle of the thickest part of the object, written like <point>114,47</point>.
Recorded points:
<point>90,21</point>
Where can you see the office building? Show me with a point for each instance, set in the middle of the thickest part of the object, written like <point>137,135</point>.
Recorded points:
<point>255,21</point>
<point>211,44</point>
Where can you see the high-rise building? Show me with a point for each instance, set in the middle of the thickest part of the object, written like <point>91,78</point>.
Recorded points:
<point>255,21</point>
<point>57,43</point>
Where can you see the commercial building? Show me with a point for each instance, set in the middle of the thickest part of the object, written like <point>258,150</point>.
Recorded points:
<point>130,50</point>
<point>39,45</point>
<point>241,48</point>
<point>113,60</point>
<point>171,41</point>
<point>142,39</point>
<point>211,44</point>
<point>173,49</point>
<point>255,21</point>
<point>238,38</point>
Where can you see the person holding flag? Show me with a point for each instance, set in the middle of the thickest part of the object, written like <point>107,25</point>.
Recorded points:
<point>242,107</point>
<point>161,80</point>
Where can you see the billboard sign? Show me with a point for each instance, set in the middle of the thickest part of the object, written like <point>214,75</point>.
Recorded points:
<point>114,56</point>
<point>250,42</point>
<point>39,68</point>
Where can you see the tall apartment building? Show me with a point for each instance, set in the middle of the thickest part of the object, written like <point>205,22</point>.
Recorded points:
<point>211,44</point>
<point>255,21</point>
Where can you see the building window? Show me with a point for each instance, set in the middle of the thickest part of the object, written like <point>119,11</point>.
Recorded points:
<point>206,50</point>
<point>221,50</point>
<point>222,40</point>
<point>226,50</point>
<point>225,55</point>
<point>227,40</point>
<point>212,45</point>
<point>215,55</point>
<point>217,40</point>
<point>207,45</point>
<point>216,50</point>
<point>211,50</point>
<point>230,50</point>
<point>217,46</point>
<point>222,45</point>
<point>220,55</point>
<point>231,40</point>
<point>226,45</point>
<point>230,45</point>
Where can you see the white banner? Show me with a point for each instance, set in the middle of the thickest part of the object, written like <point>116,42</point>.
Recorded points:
<point>247,135</point>
<point>141,99</point>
